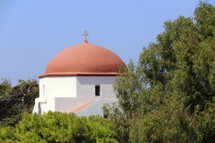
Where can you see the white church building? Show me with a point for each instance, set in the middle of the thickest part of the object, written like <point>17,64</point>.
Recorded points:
<point>79,79</point>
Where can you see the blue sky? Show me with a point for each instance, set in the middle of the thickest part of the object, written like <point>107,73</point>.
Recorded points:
<point>32,32</point>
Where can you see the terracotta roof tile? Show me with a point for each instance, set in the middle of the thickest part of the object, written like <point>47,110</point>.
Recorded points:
<point>83,106</point>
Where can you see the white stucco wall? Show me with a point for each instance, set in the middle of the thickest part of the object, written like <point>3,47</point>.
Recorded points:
<point>67,93</point>
<point>86,86</point>
<point>49,105</point>
<point>50,88</point>
<point>58,87</point>
<point>86,92</point>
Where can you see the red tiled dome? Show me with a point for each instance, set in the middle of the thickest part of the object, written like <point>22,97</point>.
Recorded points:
<point>85,60</point>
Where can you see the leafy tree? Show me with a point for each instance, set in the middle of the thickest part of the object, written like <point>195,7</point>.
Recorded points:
<point>16,100</point>
<point>59,127</point>
<point>5,92</point>
<point>169,95</point>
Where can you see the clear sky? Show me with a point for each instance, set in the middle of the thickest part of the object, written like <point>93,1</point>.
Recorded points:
<point>32,32</point>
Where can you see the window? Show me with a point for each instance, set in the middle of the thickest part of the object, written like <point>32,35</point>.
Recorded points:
<point>43,90</point>
<point>97,90</point>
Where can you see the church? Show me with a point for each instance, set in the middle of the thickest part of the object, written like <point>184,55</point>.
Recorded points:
<point>80,80</point>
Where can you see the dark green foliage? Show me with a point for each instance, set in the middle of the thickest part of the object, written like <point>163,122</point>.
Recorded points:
<point>16,100</point>
<point>169,96</point>
<point>59,127</point>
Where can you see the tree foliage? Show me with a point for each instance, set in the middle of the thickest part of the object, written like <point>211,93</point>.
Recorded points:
<point>59,127</point>
<point>169,96</point>
<point>16,100</point>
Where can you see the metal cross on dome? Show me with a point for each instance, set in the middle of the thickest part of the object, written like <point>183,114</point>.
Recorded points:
<point>85,34</point>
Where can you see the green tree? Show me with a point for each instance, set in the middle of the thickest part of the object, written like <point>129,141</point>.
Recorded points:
<point>16,100</point>
<point>5,92</point>
<point>59,127</point>
<point>169,95</point>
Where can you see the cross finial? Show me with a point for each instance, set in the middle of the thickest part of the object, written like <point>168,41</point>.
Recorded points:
<point>85,34</point>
